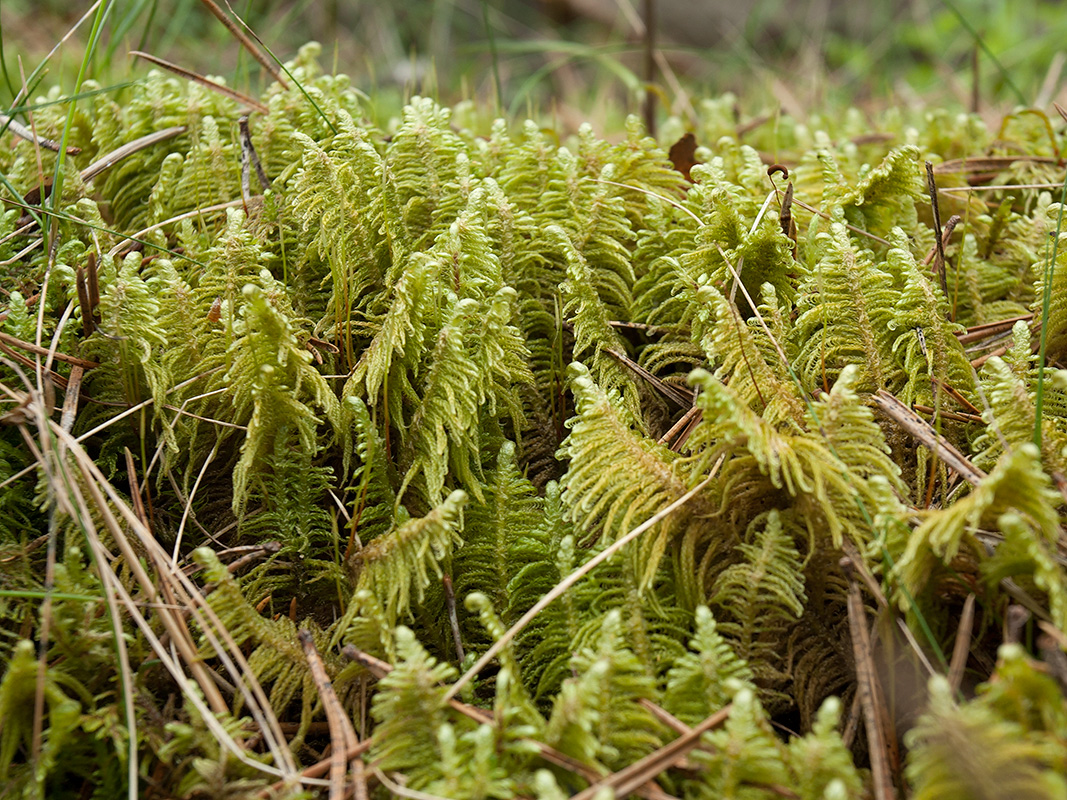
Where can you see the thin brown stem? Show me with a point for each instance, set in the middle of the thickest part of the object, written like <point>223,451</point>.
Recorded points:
<point>246,43</point>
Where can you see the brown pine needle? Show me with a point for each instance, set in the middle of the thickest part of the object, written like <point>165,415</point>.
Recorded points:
<point>683,423</point>
<point>318,769</point>
<point>379,669</point>
<point>682,396</point>
<point>955,394</point>
<point>953,415</point>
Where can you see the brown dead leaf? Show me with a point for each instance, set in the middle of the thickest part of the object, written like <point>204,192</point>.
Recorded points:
<point>683,154</point>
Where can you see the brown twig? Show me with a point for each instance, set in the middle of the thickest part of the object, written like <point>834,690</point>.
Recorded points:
<point>939,264</point>
<point>946,236</point>
<point>379,669</point>
<point>978,332</point>
<point>641,772</point>
<point>246,43</point>
<point>676,725</point>
<point>249,157</point>
<point>56,378</point>
<point>30,347</point>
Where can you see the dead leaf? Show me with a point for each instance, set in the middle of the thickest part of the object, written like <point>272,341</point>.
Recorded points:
<point>682,155</point>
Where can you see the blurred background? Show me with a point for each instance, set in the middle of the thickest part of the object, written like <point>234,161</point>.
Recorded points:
<point>586,59</point>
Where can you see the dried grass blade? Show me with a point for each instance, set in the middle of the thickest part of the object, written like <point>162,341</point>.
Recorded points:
<point>135,488</point>
<point>403,791</point>
<point>987,164</point>
<point>1001,187</point>
<point>342,735</point>
<point>939,265</point>
<point>824,215</point>
<point>559,589</point>
<point>70,402</point>
<point>93,278</point>
<point>88,325</point>
<point>192,600</point>
<point>187,215</point>
<point>207,83</point>
<point>962,646</point>
<point>868,689</point>
<point>923,432</point>
<point>56,469</point>
<point>24,251</point>
<point>126,150</point>
<point>23,132</point>
<point>453,618</point>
